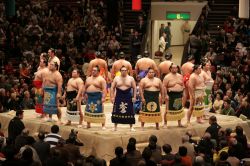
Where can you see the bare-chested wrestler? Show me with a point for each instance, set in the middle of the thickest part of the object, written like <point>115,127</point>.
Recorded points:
<point>150,89</point>
<point>208,80</point>
<point>115,71</point>
<point>173,86</point>
<point>38,81</point>
<point>101,63</point>
<point>196,87</point>
<point>53,57</point>
<point>142,65</point>
<point>121,97</point>
<point>52,87</point>
<point>73,97</point>
<point>164,66</point>
<point>95,92</point>
<point>187,69</point>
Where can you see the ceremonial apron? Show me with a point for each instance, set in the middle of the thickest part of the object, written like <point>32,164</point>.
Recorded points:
<point>175,108</point>
<point>198,108</point>
<point>151,112</point>
<point>50,101</point>
<point>38,96</point>
<point>93,111</point>
<point>73,112</point>
<point>123,107</point>
<point>207,97</point>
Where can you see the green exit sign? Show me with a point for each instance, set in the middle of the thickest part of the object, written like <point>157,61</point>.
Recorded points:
<point>177,16</point>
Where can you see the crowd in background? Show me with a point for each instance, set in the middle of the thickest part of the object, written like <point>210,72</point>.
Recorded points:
<point>77,35</point>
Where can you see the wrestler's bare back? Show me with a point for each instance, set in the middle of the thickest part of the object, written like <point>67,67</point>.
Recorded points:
<point>94,84</point>
<point>119,63</point>
<point>164,67</point>
<point>173,82</point>
<point>145,63</point>
<point>187,68</point>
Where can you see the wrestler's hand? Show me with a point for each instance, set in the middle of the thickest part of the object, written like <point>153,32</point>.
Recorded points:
<point>167,97</point>
<point>58,96</point>
<point>112,100</point>
<point>143,100</point>
<point>103,100</point>
<point>133,99</point>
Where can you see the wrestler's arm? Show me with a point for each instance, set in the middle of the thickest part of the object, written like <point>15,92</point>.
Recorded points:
<point>59,85</point>
<point>191,86</point>
<point>156,69</point>
<point>113,70</point>
<point>106,69</point>
<point>89,69</point>
<point>134,88</point>
<point>136,68</point>
<point>104,91</point>
<point>112,89</point>
<point>130,69</point>
<point>141,88</point>
<point>165,87</point>
<point>80,85</point>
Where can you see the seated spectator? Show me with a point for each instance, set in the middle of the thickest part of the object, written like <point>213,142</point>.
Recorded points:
<point>15,126</point>
<point>168,158</point>
<point>120,159</point>
<point>21,139</point>
<point>227,110</point>
<point>156,149</point>
<point>133,156</point>
<point>27,160</point>
<point>29,145</point>
<point>53,137</point>
<point>223,147</point>
<point>214,128</point>
<point>244,107</point>
<point>218,103</point>
<point>42,148</point>
<point>146,155</point>
<point>189,146</point>
<point>185,159</point>
<point>27,102</point>
<point>223,159</point>
<point>13,102</point>
<point>206,146</point>
<point>232,159</point>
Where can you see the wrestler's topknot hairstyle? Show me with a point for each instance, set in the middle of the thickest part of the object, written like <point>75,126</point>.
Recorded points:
<point>122,67</point>
<point>53,50</point>
<point>168,56</point>
<point>196,66</point>
<point>45,57</point>
<point>97,67</point>
<point>191,57</point>
<point>56,65</point>
<point>170,67</point>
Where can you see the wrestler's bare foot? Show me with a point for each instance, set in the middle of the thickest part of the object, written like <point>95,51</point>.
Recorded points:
<point>114,129</point>
<point>182,126</point>
<point>142,128</point>
<point>80,126</point>
<point>59,122</point>
<point>103,128</point>
<point>165,126</point>
<point>157,128</point>
<point>132,129</point>
<point>188,124</point>
<point>200,121</point>
<point>67,124</point>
